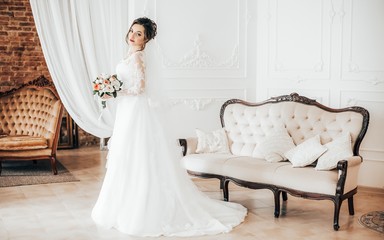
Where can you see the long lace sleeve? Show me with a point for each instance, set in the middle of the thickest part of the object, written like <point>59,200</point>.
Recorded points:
<point>133,75</point>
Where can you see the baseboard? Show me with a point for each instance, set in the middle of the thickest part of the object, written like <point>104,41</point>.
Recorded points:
<point>371,189</point>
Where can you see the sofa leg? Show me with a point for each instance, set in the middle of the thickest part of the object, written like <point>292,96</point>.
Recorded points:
<point>53,165</point>
<point>222,180</point>
<point>225,190</point>
<point>350,206</point>
<point>277,203</point>
<point>336,214</point>
<point>285,196</point>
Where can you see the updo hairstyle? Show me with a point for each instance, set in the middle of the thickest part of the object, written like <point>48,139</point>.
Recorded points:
<point>149,26</point>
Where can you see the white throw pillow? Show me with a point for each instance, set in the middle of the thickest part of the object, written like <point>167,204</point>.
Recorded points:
<point>212,142</point>
<point>338,149</point>
<point>275,145</point>
<point>306,152</point>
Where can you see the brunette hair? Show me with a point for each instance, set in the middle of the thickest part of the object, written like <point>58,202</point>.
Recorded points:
<point>150,28</point>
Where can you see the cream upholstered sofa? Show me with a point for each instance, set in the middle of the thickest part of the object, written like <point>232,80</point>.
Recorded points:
<point>30,118</point>
<point>320,143</point>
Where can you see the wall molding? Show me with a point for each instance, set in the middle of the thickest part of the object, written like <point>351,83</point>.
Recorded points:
<point>197,58</point>
<point>201,59</point>
<point>195,104</point>
<point>354,68</point>
<point>374,81</point>
<point>300,72</point>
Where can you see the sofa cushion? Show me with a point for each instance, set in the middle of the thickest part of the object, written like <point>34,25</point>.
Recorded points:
<point>338,149</point>
<point>275,145</point>
<point>306,179</point>
<point>252,169</point>
<point>212,142</point>
<point>306,153</point>
<point>206,162</point>
<point>16,143</point>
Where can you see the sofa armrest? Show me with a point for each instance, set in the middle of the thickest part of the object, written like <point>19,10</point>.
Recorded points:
<point>348,173</point>
<point>354,161</point>
<point>189,145</point>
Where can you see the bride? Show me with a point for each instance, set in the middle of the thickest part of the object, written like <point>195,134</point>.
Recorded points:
<point>145,190</point>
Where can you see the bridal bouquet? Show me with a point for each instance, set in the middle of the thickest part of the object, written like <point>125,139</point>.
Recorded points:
<point>106,85</point>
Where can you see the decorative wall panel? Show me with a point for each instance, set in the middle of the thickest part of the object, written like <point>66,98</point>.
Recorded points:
<point>299,34</point>
<point>211,44</point>
<point>363,39</point>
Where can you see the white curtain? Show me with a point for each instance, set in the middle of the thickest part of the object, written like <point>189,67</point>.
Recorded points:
<point>81,39</point>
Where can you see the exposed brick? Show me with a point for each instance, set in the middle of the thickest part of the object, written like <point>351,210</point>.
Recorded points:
<point>13,28</point>
<point>20,18</point>
<point>19,14</point>
<point>21,57</point>
<point>26,34</point>
<point>7,13</point>
<point>17,8</point>
<point>27,24</point>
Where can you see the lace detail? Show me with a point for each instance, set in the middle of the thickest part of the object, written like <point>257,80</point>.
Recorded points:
<point>132,72</point>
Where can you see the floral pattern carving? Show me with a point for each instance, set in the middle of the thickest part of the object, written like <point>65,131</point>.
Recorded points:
<point>197,58</point>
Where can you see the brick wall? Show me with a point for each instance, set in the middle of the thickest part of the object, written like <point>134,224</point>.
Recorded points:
<point>21,57</point>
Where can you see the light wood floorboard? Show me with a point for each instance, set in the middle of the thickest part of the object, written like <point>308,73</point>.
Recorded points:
<point>62,210</point>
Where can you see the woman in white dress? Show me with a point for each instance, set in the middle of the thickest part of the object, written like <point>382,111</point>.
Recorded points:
<point>145,191</point>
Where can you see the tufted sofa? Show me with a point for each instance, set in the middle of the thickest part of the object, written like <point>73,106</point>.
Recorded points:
<point>247,125</point>
<point>30,118</point>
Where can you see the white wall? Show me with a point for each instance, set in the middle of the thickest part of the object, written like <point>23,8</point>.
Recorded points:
<point>209,51</point>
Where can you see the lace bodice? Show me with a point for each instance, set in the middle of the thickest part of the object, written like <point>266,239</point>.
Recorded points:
<point>131,71</point>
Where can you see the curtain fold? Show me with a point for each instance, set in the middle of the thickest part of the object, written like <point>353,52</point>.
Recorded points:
<point>81,39</point>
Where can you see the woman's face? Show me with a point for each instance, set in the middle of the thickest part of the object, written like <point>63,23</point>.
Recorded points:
<point>136,36</point>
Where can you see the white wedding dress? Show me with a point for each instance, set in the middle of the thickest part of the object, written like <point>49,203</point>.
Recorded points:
<point>145,191</point>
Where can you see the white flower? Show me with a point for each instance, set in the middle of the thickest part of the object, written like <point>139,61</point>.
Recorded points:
<point>108,89</point>
<point>115,84</point>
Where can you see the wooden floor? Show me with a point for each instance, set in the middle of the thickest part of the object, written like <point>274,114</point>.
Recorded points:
<point>62,210</point>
